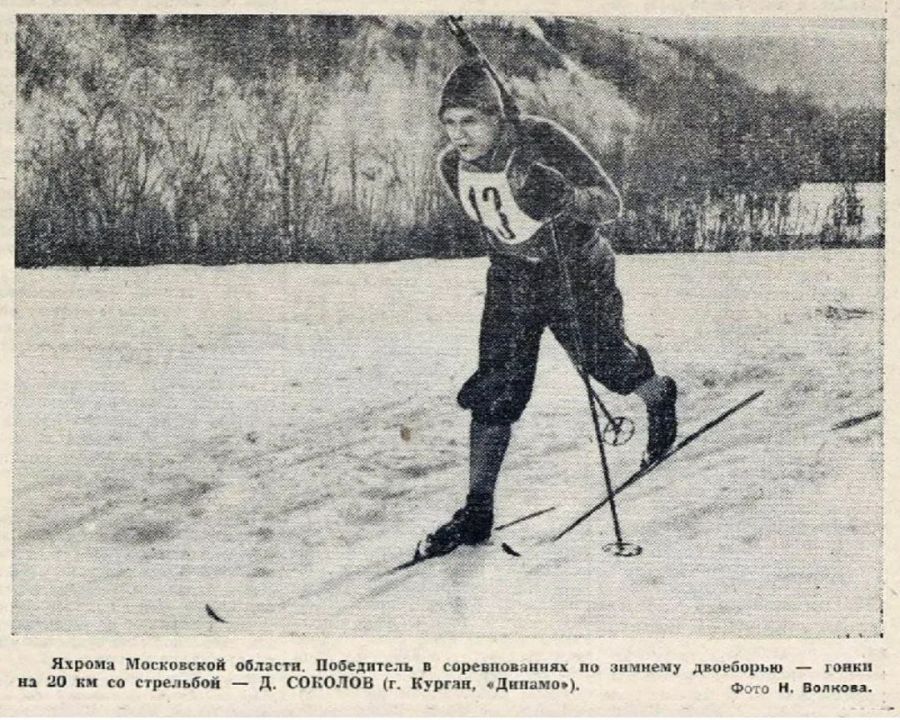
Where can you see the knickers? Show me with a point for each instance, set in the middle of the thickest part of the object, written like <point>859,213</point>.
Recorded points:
<point>521,300</point>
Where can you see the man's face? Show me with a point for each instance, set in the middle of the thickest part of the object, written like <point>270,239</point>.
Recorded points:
<point>472,131</point>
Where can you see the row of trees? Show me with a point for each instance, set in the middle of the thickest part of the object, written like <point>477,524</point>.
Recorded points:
<point>138,148</point>
<point>778,220</point>
<point>218,139</point>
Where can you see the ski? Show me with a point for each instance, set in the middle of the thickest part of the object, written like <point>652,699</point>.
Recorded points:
<point>497,528</point>
<point>674,449</point>
<point>402,566</point>
<point>417,559</point>
<point>522,519</point>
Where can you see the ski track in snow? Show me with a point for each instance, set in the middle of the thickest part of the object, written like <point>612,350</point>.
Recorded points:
<point>268,440</point>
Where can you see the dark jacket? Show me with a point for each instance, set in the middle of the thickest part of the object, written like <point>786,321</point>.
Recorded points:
<point>594,203</point>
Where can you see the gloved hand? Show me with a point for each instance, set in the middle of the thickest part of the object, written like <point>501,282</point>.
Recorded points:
<point>541,191</point>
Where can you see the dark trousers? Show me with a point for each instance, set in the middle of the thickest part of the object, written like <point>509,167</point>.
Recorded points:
<point>522,299</point>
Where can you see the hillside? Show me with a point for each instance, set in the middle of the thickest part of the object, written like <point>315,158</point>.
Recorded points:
<point>838,61</point>
<point>220,139</point>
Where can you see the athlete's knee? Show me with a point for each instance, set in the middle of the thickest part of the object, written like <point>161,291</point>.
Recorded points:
<point>623,367</point>
<point>494,400</point>
<point>640,370</point>
<point>600,260</point>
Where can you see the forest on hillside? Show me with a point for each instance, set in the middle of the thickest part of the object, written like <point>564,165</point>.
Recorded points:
<point>223,139</point>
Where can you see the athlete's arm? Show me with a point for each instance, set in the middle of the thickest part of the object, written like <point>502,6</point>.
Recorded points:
<point>596,198</point>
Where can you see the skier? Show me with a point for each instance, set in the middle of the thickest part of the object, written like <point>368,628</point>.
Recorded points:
<point>533,188</point>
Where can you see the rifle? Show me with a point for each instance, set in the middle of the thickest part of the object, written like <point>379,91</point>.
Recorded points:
<point>454,23</point>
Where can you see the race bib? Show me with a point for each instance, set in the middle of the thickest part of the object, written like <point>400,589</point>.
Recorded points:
<point>487,198</point>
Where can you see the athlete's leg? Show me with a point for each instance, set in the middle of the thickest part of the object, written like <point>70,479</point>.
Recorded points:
<point>487,447</point>
<point>511,326</point>
<point>610,357</point>
<point>496,394</point>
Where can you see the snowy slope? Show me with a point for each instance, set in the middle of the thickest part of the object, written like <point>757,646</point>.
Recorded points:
<point>268,439</point>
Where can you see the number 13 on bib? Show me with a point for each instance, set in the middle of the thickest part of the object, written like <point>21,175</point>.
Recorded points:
<point>488,199</point>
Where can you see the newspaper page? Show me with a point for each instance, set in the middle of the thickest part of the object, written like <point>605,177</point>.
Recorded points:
<point>406,358</point>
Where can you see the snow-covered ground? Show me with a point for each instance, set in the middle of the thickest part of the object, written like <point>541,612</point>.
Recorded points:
<point>268,439</point>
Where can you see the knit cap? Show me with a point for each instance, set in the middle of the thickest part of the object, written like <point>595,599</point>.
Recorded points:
<point>470,85</point>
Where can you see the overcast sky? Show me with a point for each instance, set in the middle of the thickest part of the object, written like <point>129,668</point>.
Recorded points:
<point>839,60</point>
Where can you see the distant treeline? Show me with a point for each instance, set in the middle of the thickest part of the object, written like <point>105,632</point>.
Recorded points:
<point>222,139</point>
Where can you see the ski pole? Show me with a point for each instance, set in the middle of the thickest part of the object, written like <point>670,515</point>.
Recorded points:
<point>619,547</point>
<point>619,436</point>
<point>616,423</point>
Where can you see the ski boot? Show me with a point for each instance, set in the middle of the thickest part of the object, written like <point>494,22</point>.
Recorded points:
<point>662,424</point>
<point>470,525</point>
